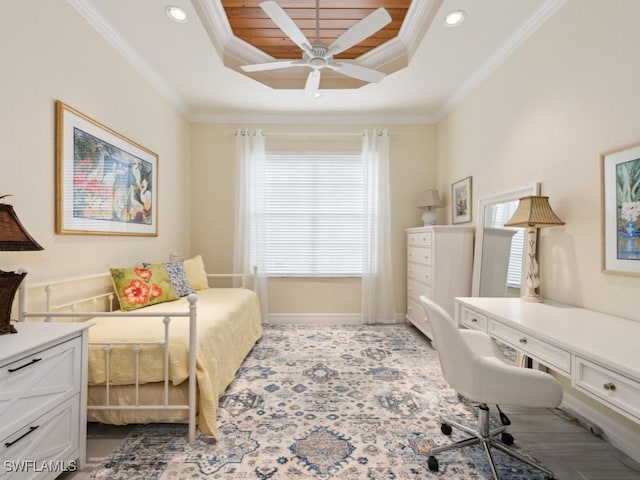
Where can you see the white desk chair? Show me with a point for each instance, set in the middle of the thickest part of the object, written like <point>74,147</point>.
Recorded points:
<point>474,366</point>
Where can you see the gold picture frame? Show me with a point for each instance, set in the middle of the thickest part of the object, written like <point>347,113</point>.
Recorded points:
<point>106,184</point>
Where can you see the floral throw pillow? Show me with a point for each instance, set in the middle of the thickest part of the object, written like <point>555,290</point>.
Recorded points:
<point>177,277</point>
<point>138,287</point>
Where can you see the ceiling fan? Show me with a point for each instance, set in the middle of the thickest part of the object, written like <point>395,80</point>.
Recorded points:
<point>318,56</point>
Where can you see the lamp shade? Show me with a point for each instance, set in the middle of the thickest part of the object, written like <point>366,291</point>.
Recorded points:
<point>533,211</point>
<point>13,236</point>
<point>429,198</point>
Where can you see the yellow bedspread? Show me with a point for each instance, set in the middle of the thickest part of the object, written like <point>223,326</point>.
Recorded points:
<point>229,324</point>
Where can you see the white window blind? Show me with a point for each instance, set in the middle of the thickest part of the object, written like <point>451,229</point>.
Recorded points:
<point>499,214</point>
<point>314,214</point>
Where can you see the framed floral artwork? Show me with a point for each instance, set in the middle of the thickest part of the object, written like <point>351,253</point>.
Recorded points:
<point>620,173</point>
<point>106,184</point>
<point>461,201</point>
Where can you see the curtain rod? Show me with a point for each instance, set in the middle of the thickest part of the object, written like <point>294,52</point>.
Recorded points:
<point>318,134</point>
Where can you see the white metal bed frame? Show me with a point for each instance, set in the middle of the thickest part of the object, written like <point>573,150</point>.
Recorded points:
<point>54,311</point>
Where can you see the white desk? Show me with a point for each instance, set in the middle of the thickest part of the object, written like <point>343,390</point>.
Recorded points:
<point>600,353</point>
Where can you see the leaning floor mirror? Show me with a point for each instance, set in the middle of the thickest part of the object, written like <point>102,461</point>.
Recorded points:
<point>499,251</point>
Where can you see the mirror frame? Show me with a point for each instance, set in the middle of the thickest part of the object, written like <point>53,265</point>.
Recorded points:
<point>483,202</point>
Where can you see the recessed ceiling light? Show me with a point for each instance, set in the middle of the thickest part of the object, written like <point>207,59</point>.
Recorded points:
<point>455,18</point>
<point>177,14</point>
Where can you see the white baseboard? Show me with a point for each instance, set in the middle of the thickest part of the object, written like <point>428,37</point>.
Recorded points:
<point>321,319</point>
<point>617,433</point>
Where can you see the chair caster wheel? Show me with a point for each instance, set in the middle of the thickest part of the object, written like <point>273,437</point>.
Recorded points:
<point>446,429</point>
<point>432,462</point>
<point>506,438</point>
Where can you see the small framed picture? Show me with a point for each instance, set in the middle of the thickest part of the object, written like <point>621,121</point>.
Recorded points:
<point>620,172</point>
<point>461,201</point>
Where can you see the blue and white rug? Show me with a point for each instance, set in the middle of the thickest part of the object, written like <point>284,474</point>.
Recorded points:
<point>356,402</point>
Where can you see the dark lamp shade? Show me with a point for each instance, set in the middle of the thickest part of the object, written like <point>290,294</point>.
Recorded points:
<point>13,236</point>
<point>533,211</point>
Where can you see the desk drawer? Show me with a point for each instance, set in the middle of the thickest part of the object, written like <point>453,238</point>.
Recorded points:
<point>420,239</point>
<point>615,390</point>
<point>421,273</point>
<point>474,320</point>
<point>420,255</point>
<point>535,348</point>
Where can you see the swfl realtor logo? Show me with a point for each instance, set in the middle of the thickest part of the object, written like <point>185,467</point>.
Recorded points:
<point>33,466</point>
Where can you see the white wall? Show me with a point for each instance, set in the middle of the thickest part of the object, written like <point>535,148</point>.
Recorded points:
<point>565,96</point>
<point>49,52</point>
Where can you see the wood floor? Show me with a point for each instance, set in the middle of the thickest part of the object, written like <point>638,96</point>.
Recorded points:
<point>569,450</point>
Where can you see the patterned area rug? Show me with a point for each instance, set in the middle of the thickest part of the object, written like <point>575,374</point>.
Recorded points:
<point>357,402</point>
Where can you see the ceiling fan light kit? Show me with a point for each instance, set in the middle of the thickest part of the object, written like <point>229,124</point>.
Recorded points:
<point>318,56</point>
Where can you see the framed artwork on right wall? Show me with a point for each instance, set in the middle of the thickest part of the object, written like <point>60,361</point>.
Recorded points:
<point>461,201</point>
<point>620,171</point>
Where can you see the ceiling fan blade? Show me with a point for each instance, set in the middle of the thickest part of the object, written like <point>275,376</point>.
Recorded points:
<point>313,82</point>
<point>259,67</point>
<point>357,71</point>
<point>284,23</point>
<point>361,30</point>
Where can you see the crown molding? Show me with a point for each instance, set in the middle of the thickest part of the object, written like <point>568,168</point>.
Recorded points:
<point>130,54</point>
<point>500,56</point>
<point>313,119</point>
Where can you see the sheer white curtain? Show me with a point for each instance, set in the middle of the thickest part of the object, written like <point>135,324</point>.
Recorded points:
<point>377,280</point>
<point>249,231</point>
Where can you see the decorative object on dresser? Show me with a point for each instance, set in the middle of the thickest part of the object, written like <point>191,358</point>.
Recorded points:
<point>43,385</point>
<point>429,200</point>
<point>533,212</point>
<point>13,237</point>
<point>620,172</point>
<point>461,201</point>
<point>439,264</point>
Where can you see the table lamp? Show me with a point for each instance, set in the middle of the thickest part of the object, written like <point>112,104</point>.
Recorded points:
<point>430,199</point>
<point>13,237</point>
<point>533,212</point>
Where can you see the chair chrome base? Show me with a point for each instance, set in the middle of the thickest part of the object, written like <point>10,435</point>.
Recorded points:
<point>486,437</point>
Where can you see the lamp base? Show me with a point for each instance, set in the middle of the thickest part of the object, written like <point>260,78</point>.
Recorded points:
<point>536,298</point>
<point>429,217</point>
<point>9,283</point>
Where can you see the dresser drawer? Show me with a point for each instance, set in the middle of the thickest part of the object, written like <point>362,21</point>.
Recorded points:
<point>615,390</point>
<point>474,320</point>
<point>418,317</point>
<point>420,255</point>
<point>421,273</point>
<point>415,289</point>
<point>420,239</point>
<point>38,382</point>
<point>52,438</point>
<point>537,349</point>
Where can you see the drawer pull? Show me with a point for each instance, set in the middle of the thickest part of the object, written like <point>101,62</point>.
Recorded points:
<point>35,360</point>
<point>474,320</point>
<point>31,430</point>
<point>523,340</point>
<point>609,386</point>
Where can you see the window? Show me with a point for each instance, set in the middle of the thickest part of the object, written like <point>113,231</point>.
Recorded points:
<point>314,214</point>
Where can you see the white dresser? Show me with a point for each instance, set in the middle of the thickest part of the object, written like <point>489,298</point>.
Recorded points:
<point>439,265</point>
<point>43,378</point>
